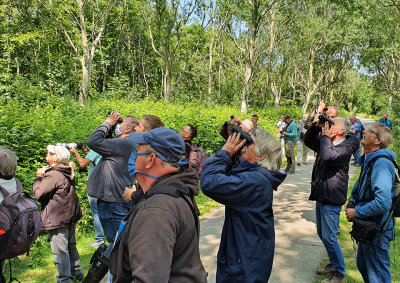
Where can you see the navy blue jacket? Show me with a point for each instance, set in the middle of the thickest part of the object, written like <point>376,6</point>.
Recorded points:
<point>247,245</point>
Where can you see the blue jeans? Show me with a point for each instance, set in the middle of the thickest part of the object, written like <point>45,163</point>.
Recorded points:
<point>98,229</point>
<point>66,257</point>
<point>357,153</point>
<point>328,217</point>
<point>373,259</point>
<point>111,214</point>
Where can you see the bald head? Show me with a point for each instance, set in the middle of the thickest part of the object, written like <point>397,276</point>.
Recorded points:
<point>332,112</point>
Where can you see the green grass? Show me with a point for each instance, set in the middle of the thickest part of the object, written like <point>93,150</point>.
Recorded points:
<point>349,248</point>
<point>39,266</point>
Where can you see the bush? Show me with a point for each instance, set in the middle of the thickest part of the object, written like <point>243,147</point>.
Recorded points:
<point>31,121</point>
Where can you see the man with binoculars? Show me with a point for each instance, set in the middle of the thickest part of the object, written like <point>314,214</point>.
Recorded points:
<point>329,183</point>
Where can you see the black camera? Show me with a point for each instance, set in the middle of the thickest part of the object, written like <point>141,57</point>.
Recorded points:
<point>119,120</point>
<point>243,135</point>
<point>283,130</point>
<point>77,145</point>
<point>100,262</point>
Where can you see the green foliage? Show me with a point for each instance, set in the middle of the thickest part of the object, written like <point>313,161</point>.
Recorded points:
<point>30,119</point>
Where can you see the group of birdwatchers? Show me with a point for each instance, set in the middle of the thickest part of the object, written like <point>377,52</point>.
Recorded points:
<point>145,176</point>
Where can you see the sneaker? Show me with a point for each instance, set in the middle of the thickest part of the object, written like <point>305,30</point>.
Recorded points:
<point>328,269</point>
<point>335,277</point>
<point>95,244</point>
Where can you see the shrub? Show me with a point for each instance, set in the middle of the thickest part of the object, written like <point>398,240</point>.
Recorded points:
<point>30,122</point>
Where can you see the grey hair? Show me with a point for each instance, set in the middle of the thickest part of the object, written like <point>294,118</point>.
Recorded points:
<point>384,134</point>
<point>345,125</point>
<point>8,162</point>
<point>266,144</point>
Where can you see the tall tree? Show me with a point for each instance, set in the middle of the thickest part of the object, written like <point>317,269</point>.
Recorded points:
<point>83,24</point>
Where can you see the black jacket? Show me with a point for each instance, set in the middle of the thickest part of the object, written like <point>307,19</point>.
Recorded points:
<point>330,174</point>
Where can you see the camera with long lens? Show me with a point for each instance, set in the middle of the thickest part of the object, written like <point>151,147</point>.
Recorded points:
<point>100,262</point>
<point>324,118</point>
<point>77,145</point>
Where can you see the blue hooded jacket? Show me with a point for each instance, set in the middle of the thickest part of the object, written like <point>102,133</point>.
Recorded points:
<point>376,200</point>
<point>247,245</point>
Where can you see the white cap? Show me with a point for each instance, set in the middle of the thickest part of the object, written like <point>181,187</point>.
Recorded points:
<point>62,153</point>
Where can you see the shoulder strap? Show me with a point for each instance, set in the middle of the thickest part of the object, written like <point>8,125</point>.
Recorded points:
<point>176,191</point>
<point>372,163</point>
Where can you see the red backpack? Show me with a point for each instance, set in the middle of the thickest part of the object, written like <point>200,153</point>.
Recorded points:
<point>20,223</point>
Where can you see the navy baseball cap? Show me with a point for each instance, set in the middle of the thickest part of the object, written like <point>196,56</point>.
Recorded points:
<point>166,142</point>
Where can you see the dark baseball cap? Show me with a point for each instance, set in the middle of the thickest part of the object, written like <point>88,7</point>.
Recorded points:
<point>165,141</point>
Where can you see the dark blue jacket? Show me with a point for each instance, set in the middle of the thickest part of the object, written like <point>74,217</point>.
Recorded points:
<point>376,200</point>
<point>247,245</point>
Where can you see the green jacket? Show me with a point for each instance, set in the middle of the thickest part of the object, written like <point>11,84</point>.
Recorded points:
<point>291,131</point>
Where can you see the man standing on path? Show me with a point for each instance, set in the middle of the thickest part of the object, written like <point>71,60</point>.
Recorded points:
<point>329,183</point>
<point>374,201</point>
<point>385,121</point>
<point>279,128</point>
<point>290,137</point>
<point>246,189</point>
<point>302,149</point>
<point>91,159</point>
<point>356,131</point>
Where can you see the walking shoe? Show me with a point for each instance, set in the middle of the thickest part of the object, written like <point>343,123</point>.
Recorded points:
<point>328,269</point>
<point>298,164</point>
<point>96,244</point>
<point>335,277</point>
<point>305,163</point>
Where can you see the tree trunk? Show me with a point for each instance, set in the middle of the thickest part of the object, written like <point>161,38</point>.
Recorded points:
<point>309,90</point>
<point>85,82</point>
<point>167,81</point>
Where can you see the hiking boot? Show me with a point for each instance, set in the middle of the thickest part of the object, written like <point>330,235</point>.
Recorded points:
<point>335,278</point>
<point>328,269</point>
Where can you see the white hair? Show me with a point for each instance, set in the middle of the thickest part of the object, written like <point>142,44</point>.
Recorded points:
<point>266,144</point>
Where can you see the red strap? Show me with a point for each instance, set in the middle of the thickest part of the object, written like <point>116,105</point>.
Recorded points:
<point>2,232</point>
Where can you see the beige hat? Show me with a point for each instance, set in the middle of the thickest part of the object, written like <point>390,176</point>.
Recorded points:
<point>61,152</point>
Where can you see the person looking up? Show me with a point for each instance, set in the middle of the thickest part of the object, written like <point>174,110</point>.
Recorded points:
<point>329,183</point>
